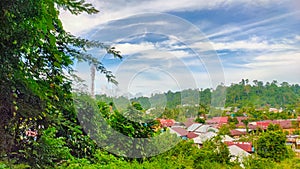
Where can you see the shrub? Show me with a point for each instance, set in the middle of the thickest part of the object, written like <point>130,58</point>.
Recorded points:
<point>47,150</point>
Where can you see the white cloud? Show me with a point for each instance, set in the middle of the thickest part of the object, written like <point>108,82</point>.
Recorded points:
<point>251,45</point>
<point>297,37</point>
<point>118,9</point>
<point>130,48</point>
<point>233,29</point>
<point>267,67</point>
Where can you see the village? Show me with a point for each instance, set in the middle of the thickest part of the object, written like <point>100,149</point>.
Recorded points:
<point>235,137</point>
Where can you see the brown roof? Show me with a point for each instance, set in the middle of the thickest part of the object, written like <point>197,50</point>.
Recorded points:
<point>192,135</point>
<point>236,133</point>
<point>285,124</point>
<point>181,131</point>
<point>247,146</point>
<point>189,122</point>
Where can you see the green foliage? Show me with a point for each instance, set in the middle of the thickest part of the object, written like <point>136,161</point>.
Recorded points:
<point>296,132</point>
<point>274,127</point>
<point>214,150</point>
<point>7,165</point>
<point>256,162</point>
<point>126,133</point>
<point>47,151</point>
<point>260,95</point>
<point>271,144</point>
<point>243,95</point>
<point>200,120</point>
<point>224,130</point>
<point>233,120</point>
<point>144,102</point>
<point>37,57</point>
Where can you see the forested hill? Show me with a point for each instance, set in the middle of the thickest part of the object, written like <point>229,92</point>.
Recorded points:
<point>243,94</point>
<point>261,94</point>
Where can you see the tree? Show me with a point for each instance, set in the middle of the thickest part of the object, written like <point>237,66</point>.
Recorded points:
<point>200,120</point>
<point>203,110</point>
<point>233,120</point>
<point>271,144</point>
<point>36,56</point>
<point>132,123</point>
<point>213,150</point>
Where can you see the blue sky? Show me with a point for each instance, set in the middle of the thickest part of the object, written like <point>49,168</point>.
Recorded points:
<point>169,45</point>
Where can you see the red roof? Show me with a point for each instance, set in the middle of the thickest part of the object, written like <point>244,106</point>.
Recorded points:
<point>263,124</point>
<point>285,124</point>
<point>218,120</point>
<point>192,135</point>
<point>247,146</point>
<point>181,131</point>
<point>236,133</point>
<point>166,122</point>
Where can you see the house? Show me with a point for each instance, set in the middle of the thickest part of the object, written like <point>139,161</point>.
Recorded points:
<point>194,126</point>
<point>189,122</point>
<point>178,124</point>
<point>192,135</point>
<point>218,120</point>
<point>237,153</point>
<point>236,133</point>
<point>246,146</point>
<point>286,125</point>
<point>179,131</point>
<point>203,137</point>
<point>201,128</point>
<point>291,140</point>
<point>206,128</point>
<point>260,124</point>
<point>166,122</point>
<point>243,130</point>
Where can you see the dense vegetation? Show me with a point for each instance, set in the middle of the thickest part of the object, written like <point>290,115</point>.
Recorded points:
<point>253,100</point>
<point>37,55</point>
<point>242,94</point>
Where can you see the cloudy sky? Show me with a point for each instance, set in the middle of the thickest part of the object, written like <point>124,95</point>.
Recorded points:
<point>173,45</point>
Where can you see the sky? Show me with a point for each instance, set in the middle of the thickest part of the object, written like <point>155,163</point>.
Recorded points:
<point>175,45</point>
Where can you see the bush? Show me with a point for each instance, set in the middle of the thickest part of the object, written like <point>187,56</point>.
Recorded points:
<point>271,144</point>
<point>256,162</point>
<point>46,151</point>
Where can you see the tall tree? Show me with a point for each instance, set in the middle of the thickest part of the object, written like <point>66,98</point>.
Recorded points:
<point>36,55</point>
